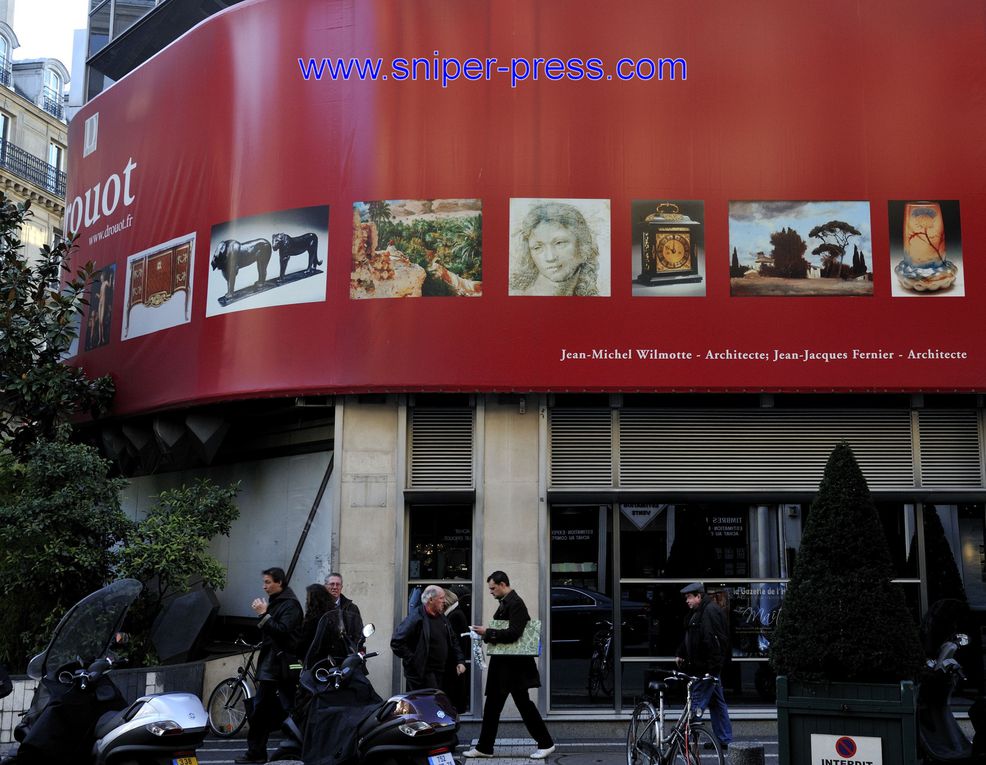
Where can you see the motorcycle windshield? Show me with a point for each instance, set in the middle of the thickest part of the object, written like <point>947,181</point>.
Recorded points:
<point>87,629</point>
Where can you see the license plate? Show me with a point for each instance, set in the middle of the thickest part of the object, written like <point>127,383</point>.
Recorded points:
<point>185,761</point>
<point>442,759</point>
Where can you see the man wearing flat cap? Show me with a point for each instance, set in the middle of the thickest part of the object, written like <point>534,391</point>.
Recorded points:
<point>702,652</point>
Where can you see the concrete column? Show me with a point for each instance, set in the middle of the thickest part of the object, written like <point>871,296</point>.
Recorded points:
<point>368,523</point>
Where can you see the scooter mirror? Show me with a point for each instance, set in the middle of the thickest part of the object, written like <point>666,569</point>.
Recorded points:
<point>368,629</point>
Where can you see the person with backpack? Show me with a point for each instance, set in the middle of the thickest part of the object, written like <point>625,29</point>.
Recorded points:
<point>703,651</point>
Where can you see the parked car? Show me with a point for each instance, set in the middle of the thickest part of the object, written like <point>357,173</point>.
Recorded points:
<point>575,612</point>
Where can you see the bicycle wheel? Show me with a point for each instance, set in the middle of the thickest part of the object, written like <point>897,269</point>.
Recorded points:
<point>227,707</point>
<point>642,735</point>
<point>702,749</point>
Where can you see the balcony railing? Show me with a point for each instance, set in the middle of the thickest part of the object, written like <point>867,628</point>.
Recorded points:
<point>4,71</point>
<point>30,168</point>
<point>52,103</point>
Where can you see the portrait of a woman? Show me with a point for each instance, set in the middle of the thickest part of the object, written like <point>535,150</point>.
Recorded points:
<point>554,251</point>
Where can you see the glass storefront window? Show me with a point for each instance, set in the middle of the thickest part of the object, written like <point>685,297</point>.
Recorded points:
<point>581,607</point>
<point>440,552</point>
<point>440,544</point>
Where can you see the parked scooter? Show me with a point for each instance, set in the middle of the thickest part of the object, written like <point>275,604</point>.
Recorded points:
<point>346,722</point>
<point>79,716</point>
<point>940,738</point>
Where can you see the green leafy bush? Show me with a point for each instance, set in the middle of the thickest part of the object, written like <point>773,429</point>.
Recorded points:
<point>169,552</point>
<point>38,323</point>
<point>842,618</point>
<point>60,531</point>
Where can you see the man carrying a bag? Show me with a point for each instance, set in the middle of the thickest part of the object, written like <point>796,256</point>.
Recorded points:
<point>509,675</point>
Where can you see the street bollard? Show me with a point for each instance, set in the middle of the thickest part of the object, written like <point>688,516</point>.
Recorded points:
<point>745,754</point>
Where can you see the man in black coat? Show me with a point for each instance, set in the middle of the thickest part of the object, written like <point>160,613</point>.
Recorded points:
<point>425,644</point>
<point>280,629</point>
<point>509,675</point>
<point>703,651</point>
<point>351,618</point>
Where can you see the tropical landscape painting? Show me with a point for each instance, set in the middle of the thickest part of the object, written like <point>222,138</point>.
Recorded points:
<point>417,248</point>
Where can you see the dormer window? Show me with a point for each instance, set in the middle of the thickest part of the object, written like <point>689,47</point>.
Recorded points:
<point>53,84</point>
<point>51,97</point>
<point>4,61</point>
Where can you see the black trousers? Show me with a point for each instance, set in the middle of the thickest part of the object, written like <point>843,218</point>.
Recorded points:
<point>270,706</point>
<point>528,713</point>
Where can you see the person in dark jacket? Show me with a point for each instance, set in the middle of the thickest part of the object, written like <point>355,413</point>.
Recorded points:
<point>456,686</point>
<point>317,603</point>
<point>425,644</point>
<point>351,617</point>
<point>280,629</point>
<point>703,651</point>
<point>509,675</point>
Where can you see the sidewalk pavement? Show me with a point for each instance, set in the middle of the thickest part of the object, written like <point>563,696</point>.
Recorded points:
<point>509,751</point>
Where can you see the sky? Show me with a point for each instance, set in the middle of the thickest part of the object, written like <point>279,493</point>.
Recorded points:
<point>751,224</point>
<point>44,28</point>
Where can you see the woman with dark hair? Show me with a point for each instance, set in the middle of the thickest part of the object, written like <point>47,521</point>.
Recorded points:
<point>554,253</point>
<point>317,603</point>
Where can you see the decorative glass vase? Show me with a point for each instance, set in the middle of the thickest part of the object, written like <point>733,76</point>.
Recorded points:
<point>924,267</point>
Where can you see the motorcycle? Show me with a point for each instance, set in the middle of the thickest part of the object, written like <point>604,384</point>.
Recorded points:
<point>78,715</point>
<point>940,738</point>
<point>346,722</point>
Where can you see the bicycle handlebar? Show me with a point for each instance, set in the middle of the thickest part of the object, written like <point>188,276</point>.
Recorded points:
<point>675,675</point>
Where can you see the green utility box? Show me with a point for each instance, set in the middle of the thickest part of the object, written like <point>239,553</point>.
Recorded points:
<point>831,722</point>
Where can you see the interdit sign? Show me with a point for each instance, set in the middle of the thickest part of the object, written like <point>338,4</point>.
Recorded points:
<point>497,197</point>
<point>846,750</point>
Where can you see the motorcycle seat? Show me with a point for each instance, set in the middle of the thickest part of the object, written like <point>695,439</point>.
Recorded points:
<point>109,721</point>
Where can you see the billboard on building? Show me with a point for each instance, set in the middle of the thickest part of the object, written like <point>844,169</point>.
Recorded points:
<point>779,174</point>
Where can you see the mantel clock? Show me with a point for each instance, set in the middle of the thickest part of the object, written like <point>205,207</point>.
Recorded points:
<point>668,253</point>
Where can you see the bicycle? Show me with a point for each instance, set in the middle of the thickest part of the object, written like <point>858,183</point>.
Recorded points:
<point>688,741</point>
<point>227,707</point>
<point>601,661</point>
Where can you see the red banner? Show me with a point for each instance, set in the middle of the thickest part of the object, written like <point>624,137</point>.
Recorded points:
<point>541,196</point>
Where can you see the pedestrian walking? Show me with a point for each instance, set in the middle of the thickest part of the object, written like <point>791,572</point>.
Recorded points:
<point>280,629</point>
<point>425,644</point>
<point>351,618</point>
<point>456,686</point>
<point>512,676</point>
<point>702,651</point>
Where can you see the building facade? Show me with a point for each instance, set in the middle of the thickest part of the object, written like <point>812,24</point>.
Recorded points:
<point>317,287</point>
<point>33,137</point>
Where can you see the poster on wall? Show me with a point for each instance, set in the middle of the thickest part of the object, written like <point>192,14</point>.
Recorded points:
<point>159,287</point>
<point>100,314</point>
<point>417,248</point>
<point>668,248</point>
<point>559,247</point>
<point>753,611</point>
<point>797,249</point>
<point>266,260</point>
<point>465,184</point>
<point>925,248</point>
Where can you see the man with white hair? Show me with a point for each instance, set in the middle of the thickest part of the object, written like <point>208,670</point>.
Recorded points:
<point>425,643</point>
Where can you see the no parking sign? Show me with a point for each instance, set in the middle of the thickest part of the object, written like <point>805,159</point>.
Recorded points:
<point>846,750</point>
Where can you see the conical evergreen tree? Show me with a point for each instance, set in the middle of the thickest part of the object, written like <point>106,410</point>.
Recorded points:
<point>842,618</point>
<point>735,263</point>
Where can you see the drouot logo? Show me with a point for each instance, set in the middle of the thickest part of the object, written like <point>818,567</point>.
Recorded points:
<point>103,199</point>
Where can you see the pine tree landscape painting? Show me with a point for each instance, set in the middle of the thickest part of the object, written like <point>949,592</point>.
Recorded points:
<point>800,248</point>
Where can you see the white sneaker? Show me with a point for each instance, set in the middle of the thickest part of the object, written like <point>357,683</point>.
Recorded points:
<point>540,754</point>
<point>474,752</point>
